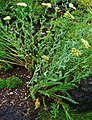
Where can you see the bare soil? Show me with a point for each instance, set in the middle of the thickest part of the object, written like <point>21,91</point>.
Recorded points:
<point>13,105</point>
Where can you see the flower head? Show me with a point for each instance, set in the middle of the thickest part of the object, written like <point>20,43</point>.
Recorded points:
<point>76,52</point>
<point>57,8</point>
<point>37,103</point>
<point>22,4</point>
<point>85,43</point>
<point>90,30</point>
<point>68,15</point>
<point>7,18</point>
<point>72,6</point>
<point>46,58</point>
<point>47,4</point>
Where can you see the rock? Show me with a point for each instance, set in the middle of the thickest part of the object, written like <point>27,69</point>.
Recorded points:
<point>82,95</point>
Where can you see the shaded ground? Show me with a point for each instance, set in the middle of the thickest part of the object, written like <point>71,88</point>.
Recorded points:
<point>13,105</point>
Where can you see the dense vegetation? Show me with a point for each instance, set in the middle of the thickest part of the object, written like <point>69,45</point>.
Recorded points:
<point>11,82</point>
<point>53,40</point>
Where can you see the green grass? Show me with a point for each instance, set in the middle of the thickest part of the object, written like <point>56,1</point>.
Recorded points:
<point>61,116</point>
<point>81,116</point>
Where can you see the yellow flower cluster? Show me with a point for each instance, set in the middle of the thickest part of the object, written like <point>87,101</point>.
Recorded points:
<point>7,18</point>
<point>47,4</point>
<point>22,4</point>
<point>85,2</point>
<point>37,103</point>
<point>46,58</point>
<point>76,52</point>
<point>85,43</point>
<point>72,6</point>
<point>68,15</point>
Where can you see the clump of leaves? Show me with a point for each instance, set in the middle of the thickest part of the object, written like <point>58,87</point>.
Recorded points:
<point>54,110</point>
<point>11,82</point>
<point>67,61</point>
<point>14,82</point>
<point>17,41</point>
<point>2,84</point>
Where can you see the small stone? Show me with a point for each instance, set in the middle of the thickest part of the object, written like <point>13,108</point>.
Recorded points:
<point>4,101</point>
<point>24,74</point>
<point>11,93</point>
<point>28,76</point>
<point>12,102</point>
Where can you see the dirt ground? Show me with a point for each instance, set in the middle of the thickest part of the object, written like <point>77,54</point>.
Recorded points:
<point>14,106</point>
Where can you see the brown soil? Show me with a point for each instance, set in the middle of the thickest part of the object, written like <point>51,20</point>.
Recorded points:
<point>13,105</point>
